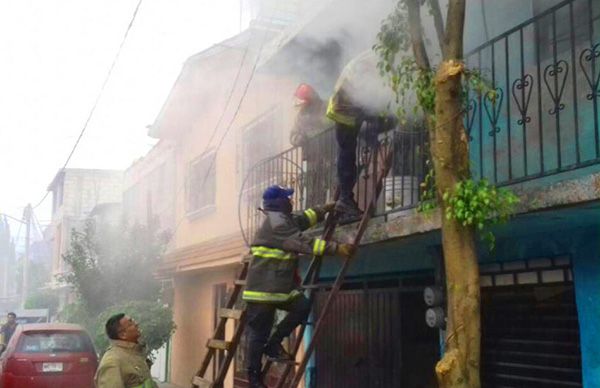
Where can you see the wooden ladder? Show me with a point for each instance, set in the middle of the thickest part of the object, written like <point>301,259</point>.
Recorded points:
<point>310,284</point>
<point>311,280</point>
<point>214,344</point>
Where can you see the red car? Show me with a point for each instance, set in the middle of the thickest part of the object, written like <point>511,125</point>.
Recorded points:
<point>48,355</point>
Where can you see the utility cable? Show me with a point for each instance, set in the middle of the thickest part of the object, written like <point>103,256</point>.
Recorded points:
<point>228,129</point>
<point>99,95</point>
<point>225,108</point>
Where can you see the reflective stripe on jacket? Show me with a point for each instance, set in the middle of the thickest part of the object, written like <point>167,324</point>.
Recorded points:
<point>275,250</point>
<point>342,113</point>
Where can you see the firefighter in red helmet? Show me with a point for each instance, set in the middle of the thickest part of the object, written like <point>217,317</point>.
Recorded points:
<point>310,119</point>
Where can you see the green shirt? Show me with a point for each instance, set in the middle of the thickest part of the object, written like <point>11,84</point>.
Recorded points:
<point>124,366</point>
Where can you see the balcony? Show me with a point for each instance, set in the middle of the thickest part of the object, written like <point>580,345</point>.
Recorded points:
<point>542,116</point>
<point>540,120</point>
<point>311,171</point>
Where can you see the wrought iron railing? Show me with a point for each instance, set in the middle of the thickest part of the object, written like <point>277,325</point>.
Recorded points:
<point>542,116</point>
<point>311,171</point>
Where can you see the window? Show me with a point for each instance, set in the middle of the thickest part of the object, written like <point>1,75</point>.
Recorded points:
<point>202,184</point>
<point>261,139</point>
<point>55,342</point>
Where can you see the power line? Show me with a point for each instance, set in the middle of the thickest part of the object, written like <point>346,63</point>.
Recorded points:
<point>99,96</point>
<point>37,225</point>
<point>229,126</point>
<point>225,108</point>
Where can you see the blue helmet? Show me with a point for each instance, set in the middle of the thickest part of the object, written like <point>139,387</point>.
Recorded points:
<point>277,198</point>
<point>277,192</point>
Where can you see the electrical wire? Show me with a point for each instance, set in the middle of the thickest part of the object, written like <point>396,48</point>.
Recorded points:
<point>218,124</point>
<point>227,130</point>
<point>98,96</point>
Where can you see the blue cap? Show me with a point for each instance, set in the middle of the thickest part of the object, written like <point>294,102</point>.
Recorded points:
<point>277,192</point>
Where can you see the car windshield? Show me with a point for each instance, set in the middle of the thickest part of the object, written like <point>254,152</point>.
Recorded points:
<point>54,342</point>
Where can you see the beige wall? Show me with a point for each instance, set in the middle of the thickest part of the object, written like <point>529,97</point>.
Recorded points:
<point>209,241</point>
<point>194,311</point>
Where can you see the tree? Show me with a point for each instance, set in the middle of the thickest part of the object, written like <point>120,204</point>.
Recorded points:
<point>112,270</point>
<point>469,207</point>
<point>43,299</point>
<point>155,320</point>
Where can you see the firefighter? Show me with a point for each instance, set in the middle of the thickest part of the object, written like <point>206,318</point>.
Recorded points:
<point>310,119</point>
<point>359,94</point>
<point>272,281</point>
<point>309,123</point>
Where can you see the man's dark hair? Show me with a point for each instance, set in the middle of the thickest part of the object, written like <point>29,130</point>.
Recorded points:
<point>113,325</point>
<point>11,314</point>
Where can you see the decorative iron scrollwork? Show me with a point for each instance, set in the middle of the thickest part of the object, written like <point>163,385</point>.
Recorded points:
<point>589,63</point>
<point>521,91</point>
<point>470,111</point>
<point>492,104</point>
<point>556,72</point>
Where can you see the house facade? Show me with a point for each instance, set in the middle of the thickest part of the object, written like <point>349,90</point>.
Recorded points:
<point>539,137</point>
<point>221,116</point>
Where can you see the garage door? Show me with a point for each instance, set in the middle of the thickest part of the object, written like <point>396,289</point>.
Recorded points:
<point>530,334</point>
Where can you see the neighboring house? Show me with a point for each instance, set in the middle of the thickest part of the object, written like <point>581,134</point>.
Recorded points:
<point>206,245</point>
<point>222,116</point>
<point>75,193</point>
<point>149,188</point>
<point>8,268</point>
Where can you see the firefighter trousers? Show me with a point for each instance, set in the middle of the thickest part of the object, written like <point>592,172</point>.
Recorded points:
<point>260,317</point>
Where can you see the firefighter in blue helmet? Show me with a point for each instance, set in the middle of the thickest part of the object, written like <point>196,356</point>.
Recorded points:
<point>271,281</point>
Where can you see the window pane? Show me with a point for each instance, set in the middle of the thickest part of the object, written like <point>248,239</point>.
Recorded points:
<point>56,342</point>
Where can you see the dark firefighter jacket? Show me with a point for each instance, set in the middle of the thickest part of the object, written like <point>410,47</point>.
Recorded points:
<point>275,249</point>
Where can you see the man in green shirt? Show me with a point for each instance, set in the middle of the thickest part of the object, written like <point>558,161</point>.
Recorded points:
<point>124,363</point>
<point>8,329</point>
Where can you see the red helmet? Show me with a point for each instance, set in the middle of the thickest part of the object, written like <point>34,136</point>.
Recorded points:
<point>305,93</point>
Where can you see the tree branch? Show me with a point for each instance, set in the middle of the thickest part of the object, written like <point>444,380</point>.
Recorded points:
<point>416,34</point>
<point>438,22</point>
<point>454,29</point>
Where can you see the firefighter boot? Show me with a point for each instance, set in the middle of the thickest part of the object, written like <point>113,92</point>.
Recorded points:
<point>347,210</point>
<point>276,353</point>
<point>255,380</point>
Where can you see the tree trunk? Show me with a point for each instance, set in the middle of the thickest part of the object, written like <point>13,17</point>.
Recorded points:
<point>459,367</point>
<point>449,146</point>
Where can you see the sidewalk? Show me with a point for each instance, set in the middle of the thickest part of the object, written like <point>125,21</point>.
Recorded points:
<point>167,385</point>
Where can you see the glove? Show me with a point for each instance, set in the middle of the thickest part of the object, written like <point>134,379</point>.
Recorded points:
<point>329,207</point>
<point>346,250</point>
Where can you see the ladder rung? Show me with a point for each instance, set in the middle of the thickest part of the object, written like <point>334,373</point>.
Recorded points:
<point>201,382</point>
<point>230,313</point>
<point>240,282</point>
<point>218,344</point>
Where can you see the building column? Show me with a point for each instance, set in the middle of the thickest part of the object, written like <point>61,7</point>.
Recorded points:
<point>586,275</point>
